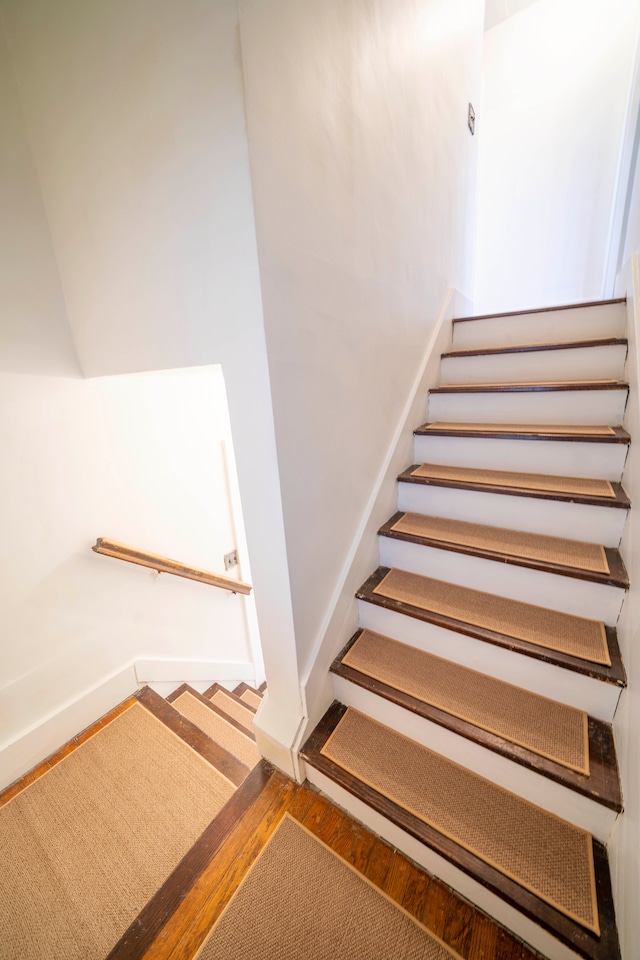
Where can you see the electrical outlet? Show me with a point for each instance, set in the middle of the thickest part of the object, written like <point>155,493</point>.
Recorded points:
<point>231,560</point>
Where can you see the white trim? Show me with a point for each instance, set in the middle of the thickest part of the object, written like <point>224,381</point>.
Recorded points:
<point>193,671</point>
<point>624,181</point>
<point>341,617</point>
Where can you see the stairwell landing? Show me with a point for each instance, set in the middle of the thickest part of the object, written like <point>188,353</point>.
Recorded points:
<point>472,721</point>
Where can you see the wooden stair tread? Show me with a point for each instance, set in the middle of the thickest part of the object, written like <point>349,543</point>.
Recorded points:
<point>515,431</point>
<point>498,481</point>
<point>220,727</point>
<point>613,673</point>
<point>531,386</point>
<point>478,541</point>
<point>536,347</point>
<point>524,313</point>
<point>402,678</point>
<point>394,793</point>
<point>248,695</point>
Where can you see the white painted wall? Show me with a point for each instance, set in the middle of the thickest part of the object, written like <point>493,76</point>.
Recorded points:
<point>146,459</point>
<point>136,118</point>
<point>632,237</point>
<point>556,81</point>
<point>624,849</point>
<point>363,171</point>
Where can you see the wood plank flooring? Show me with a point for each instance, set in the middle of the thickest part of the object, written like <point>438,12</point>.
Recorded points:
<point>195,910</point>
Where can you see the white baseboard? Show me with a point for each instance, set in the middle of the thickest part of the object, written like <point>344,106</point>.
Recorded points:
<point>193,671</point>
<point>55,729</point>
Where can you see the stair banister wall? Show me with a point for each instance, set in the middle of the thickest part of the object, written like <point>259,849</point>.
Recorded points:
<point>341,618</point>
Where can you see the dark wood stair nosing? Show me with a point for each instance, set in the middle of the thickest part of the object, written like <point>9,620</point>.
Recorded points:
<point>535,347</point>
<point>614,674</point>
<point>242,688</point>
<point>147,926</point>
<point>602,785</point>
<point>223,761</point>
<point>591,947</point>
<point>621,500</point>
<point>525,313</point>
<point>428,429</point>
<point>576,386</point>
<point>185,688</point>
<point>617,576</point>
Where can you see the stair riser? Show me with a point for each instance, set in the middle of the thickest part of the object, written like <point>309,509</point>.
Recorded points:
<point>545,793</point>
<point>473,891</point>
<point>548,517</point>
<point>575,689</point>
<point>588,363</point>
<point>578,324</point>
<point>604,461</point>
<point>553,406</point>
<point>582,598</point>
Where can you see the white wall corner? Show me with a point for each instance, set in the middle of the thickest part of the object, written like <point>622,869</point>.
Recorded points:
<point>624,182</point>
<point>277,735</point>
<point>51,732</point>
<point>341,618</point>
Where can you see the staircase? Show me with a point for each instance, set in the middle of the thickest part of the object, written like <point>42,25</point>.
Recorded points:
<point>101,842</point>
<point>472,721</point>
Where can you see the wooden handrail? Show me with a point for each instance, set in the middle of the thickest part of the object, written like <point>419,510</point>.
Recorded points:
<point>111,548</point>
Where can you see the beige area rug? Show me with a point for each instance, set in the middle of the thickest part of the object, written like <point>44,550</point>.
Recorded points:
<point>233,740</point>
<point>590,557</point>
<point>233,709</point>
<point>550,729</point>
<point>92,840</point>
<point>252,698</point>
<point>524,481</point>
<point>550,428</point>
<point>575,636</point>
<point>301,900</point>
<point>546,855</point>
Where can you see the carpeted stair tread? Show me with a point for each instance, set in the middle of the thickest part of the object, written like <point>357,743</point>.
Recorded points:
<point>578,486</point>
<point>544,550</point>
<point>301,899</point>
<point>86,845</point>
<point>545,855</point>
<point>550,729</point>
<point>562,632</point>
<point>233,740</point>
<point>526,386</point>
<point>534,430</point>
<point>536,347</point>
<point>251,697</point>
<point>232,706</point>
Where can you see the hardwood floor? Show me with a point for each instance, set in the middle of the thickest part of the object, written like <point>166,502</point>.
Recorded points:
<point>191,911</point>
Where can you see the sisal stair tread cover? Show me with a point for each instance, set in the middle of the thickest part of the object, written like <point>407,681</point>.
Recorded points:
<point>550,729</point>
<point>562,632</point>
<point>237,743</point>
<point>299,891</point>
<point>251,697</point>
<point>533,430</point>
<point>87,844</point>
<point>525,386</point>
<point>543,854</point>
<point>512,544</point>
<point>576,486</point>
<point>537,347</point>
<point>228,703</point>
